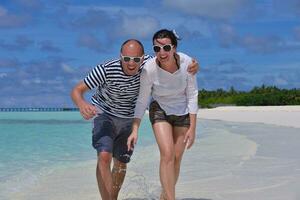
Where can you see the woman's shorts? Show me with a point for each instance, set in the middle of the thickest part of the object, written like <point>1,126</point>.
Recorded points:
<point>157,114</point>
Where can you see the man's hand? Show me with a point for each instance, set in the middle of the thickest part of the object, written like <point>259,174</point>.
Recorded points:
<point>193,68</point>
<point>87,110</point>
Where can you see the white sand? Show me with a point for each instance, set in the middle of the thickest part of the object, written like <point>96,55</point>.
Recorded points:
<point>275,115</point>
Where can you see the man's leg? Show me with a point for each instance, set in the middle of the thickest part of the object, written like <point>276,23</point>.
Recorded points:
<point>121,156</point>
<point>118,176</point>
<point>104,175</point>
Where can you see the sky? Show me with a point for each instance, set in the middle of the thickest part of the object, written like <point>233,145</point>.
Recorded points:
<point>46,47</point>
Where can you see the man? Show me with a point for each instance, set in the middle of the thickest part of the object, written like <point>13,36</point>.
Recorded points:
<point>117,84</point>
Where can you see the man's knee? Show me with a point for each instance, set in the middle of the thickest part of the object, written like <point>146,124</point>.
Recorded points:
<point>104,158</point>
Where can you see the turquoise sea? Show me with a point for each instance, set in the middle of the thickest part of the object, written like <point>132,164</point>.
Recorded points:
<point>48,155</point>
<point>32,144</point>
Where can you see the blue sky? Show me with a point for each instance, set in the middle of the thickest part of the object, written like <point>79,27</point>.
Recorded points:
<point>46,47</point>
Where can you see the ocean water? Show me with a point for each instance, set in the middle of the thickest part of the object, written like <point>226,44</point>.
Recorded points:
<point>33,144</point>
<point>48,155</point>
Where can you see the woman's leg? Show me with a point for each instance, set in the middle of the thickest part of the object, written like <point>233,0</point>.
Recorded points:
<point>179,146</point>
<point>178,137</point>
<point>164,138</point>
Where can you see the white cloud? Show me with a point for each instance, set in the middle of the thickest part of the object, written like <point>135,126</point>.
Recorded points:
<point>3,11</point>
<point>216,9</point>
<point>79,9</point>
<point>32,4</point>
<point>227,35</point>
<point>2,75</point>
<point>48,46</point>
<point>139,26</point>
<point>288,7</point>
<point>37,81</point>
<point>9,63</point>
<point>118,24</point>
<point>280,81</point>
<point>25,82</point>
<point>13,21</point>
<point>91,41</point>
<point>66,68</point>
<point>297,32</point>
<point>21,43</point>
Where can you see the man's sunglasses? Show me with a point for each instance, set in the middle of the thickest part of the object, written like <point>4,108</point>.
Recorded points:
<point>135,59</point>
<point>166,47</point>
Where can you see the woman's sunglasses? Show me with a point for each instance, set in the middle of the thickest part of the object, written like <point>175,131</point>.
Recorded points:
<point>166,47</point>
<point>128,58</point>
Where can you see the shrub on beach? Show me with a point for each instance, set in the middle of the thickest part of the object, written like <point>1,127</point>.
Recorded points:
<point>258,96</point>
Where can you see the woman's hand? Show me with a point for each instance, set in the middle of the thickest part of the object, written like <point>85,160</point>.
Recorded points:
<point>189,137</point>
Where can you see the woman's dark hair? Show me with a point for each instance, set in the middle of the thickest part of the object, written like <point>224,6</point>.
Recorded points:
<point>165,33</point>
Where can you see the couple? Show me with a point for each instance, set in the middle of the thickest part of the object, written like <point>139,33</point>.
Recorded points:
<point>124,87</point>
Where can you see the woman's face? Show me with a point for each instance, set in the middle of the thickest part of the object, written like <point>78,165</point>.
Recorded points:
<point>164,50</point>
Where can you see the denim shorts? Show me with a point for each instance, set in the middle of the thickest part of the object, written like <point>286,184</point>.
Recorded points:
<point>110,134</point>
<point>157,114</point>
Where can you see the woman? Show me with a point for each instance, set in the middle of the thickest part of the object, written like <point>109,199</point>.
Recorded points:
<point>173,107</point>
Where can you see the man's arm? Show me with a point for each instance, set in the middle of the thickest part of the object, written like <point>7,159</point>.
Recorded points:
<point>87,110</point>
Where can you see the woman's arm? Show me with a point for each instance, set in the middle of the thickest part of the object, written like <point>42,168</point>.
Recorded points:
<point>190,134</point>
<point>132,139</point>
<point>192,94</point>
<point>144,93</point>
<point>140,107</point>
<point>192,101</point>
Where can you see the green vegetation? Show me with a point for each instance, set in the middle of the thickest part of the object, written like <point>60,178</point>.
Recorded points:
<point>258,96</point>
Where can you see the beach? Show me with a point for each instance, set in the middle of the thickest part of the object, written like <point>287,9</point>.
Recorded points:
<point>277,115</point>
<point>269,168</point>
<point>240,153</point>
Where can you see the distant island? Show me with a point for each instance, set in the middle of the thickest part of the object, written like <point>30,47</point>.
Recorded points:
<point>37,109</point>
<point>258,96</point>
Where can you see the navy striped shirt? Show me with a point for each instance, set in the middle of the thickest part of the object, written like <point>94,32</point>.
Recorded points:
<point>116,92</point>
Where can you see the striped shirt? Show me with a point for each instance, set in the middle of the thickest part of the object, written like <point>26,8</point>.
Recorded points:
<point>116,93</point>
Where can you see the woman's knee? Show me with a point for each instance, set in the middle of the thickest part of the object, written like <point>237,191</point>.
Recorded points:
<point>167,156</point>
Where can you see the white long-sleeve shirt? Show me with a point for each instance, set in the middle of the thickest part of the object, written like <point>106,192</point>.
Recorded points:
<point>176,93</point>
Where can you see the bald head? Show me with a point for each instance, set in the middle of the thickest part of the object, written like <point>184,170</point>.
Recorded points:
<point>133,45</point>
<point>132,49</point>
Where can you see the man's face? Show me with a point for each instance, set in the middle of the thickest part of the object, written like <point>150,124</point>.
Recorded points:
<point>131,58</point>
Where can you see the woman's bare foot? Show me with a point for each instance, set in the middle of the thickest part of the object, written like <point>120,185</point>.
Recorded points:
<point>162,195</point>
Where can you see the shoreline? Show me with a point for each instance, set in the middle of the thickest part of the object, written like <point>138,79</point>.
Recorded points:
<point>288,116</point>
